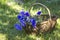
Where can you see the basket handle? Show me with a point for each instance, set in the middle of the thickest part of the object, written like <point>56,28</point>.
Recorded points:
<point>43,6</point>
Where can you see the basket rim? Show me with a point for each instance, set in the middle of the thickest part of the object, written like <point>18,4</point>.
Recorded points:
<point>49,13</point>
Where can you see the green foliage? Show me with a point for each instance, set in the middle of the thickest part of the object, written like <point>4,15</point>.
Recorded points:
<point>26,1</point>
<point>2,1</point>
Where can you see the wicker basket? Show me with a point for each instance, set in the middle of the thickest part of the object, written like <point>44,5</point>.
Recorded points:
<point>43,26</point>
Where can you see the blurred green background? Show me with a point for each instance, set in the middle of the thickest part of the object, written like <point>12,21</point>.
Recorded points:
<point>9,9</point>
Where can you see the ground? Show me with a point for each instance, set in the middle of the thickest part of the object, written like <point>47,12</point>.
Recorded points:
<point>8,17</point>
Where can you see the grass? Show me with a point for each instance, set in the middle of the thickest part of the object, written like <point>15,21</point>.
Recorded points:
<point>8,19</point>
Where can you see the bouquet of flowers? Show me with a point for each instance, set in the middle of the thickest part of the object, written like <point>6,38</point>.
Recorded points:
<point>26,19</point>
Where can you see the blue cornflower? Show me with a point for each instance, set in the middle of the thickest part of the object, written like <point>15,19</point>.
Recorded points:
<point>27,13</point>
<point>33,22</point>
<point>39,12</point>
<point>22,12</point>
<point>20,17</point>
<point>18,27</point>
<point>22,22</point>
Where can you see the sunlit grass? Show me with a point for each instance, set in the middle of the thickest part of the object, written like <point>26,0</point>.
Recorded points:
<point>14,6</point>
<point>3,36</point>
<point>58,21</point>
<point>12,15</point>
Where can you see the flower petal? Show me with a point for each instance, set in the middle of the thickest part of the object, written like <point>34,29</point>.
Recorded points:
<point>23,23</point>
<point>22,12</point>
<point>18,27</point>
<point>27,13</point>
<point>39,12</point>
<point>33,21</point>
<point>20,17</point>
